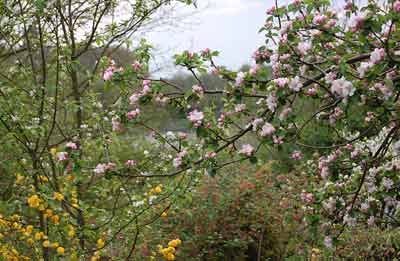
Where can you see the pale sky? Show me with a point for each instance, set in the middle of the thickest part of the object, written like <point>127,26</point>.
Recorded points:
<point>230,26</point>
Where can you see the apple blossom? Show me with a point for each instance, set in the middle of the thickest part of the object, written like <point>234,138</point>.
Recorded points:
<point>363,68</point>
<point>198,89</point>
<point>205,52</point>
<point>396,6</point>
<point>71,145</point>
<point>319,19</point>
<point>377,55</point>
<point>271,10</point>
<point>281,82</point>
<point>196,117</point>
<point>356,21</point>
<point>295,84</point>
<point>240,108</point>
<point>100,168</point>
<point>297,155</point>
<point>304,47</point>
<point>108,73</point>
<point>134,98</point>
<point>240,79</point>
<point>247,150</point>
<point>343,88</point>
<point>133,114</point>
<point>387,183</point>
<point>256,123</point>
<point>267,130</point>
<point>254,69</point>
<point>136,66</point>
<point>62,156</point>
<point>307,197</point>
<point>210,155</point>
<point>130,163</point>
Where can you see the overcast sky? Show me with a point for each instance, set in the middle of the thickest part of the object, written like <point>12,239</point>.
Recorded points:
<point>230,26</point>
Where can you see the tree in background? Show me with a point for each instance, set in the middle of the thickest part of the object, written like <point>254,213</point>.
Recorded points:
<point>331,106</point>
<point>53,126</point>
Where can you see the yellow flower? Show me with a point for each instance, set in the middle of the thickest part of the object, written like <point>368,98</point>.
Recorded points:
<point>170,256</point>
<point>39,235</point>
<point>49,213</point>
<point>74,202</point>
<point>100,243</point>
<point>53,151</point>
<point>170,250</point>
<point>46,243</point>
<point>34,201</point>
<point>29,229</point>
<point>158,189</point>
<point>71,232</point>
<point>16,226</point>
<point>30,241</point>
<point>174,243</point>
<point>164,214</point>
<point>43,178</point>
<point>55,219</point>
<point>55,245</point>
<point>19,179</point>
<point>58,196</point>
<point>60,250</point>
<point>96,256</point>
<point>316,250</point>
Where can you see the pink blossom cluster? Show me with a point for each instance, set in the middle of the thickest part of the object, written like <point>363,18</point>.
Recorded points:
<point>265,54</point>
<point>337,113</point>
<point>146,89</point>
<point>267,130</point>
<point>342,88</point>
<point>133,114</point>
<point>62,156</point>
<point>198,89</point>
<point>396,6</point>
<point>196,117</point>
<point>131,163</point>
<point>71,145</point>
<point>324,162</point>
<point>240,79</point>
<point>246,150</point>
<point>136,66</point>
<point>210,155</point>
<point>102,168</point>
<point>240,108</point>
<point>178,160</point>
<point>110,70</point>
<point>307,197</point>
<point>356,21</point>
<point>297,155</point>
<point>376,57</point>
<point>205,52</point>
